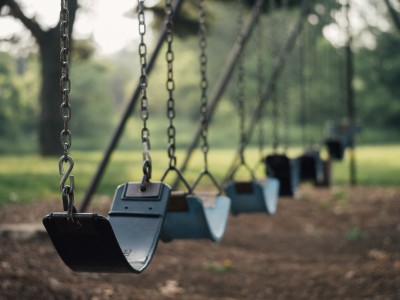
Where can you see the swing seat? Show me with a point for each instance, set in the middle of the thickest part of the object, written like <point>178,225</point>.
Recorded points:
<point>336,148</point>
<point>125,242</point>
<point>311,167</point>
<point>253,196</point>
<point>199,216</point>
<point>286,170</point>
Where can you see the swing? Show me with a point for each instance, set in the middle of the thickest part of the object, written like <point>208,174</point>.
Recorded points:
<point>311,166</point>
<point>127,240</point>
<point>280,166</point>
<point>191,215</point>
<point>249,196</point>
<point>286,170</point>
<point>340,135</point>
<point>252,196</point>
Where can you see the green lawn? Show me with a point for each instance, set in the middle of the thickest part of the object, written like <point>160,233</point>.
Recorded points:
<point>29,178</point>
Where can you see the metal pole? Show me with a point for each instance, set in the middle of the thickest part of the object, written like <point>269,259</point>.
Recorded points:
<point>121,126</point>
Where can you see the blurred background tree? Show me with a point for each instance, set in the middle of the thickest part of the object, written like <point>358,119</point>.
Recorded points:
<point>101,85</point>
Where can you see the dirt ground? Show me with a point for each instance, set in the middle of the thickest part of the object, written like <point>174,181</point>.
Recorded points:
<point>337,243</point>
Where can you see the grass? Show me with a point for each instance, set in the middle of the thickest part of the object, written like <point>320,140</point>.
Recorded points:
<point>28,178</point>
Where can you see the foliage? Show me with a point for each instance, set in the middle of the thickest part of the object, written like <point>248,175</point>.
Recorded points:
<point>379,90</point>
<point>101,87</point>
<point>92,102</point>
<point>9,95</point>
<point>18,91</point>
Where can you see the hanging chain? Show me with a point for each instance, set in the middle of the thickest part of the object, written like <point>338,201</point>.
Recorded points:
<point>274,96</point>
<point>65,83</point>
<point>170,84</point>
<point>303,83</point>
<point>203,81</point>
<point>144,112</point>
<point>65,112</point>
<point>285,95</point>
<point>241,83</point>
<point>260,83</point>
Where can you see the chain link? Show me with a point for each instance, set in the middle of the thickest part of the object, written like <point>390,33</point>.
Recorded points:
<point>285,102</point>
<point>274,96</point>
<point>67,191</point>
<point>203,81</point>
<point>275,120</point>
<point>260,83</point>
<point>241,83</point>
<point>65,83</point>
<point>144,111</point>
<point>170,84</point>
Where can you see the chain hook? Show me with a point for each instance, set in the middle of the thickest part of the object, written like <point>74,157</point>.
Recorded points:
<point>67,174</point>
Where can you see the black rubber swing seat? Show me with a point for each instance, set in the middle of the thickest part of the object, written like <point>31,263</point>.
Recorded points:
<point>336,148</point>
<point>253,196</point>
<point>195,216</point>
<point>286,170</point>
<point>125,242</point>
<point>311,166</point>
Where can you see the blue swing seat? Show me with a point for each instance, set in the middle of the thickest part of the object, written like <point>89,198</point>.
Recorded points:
<point>253,196</point>
<point>199,216</point>
<point>286,170</point>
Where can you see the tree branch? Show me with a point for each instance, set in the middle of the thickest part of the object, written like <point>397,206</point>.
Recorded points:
<point>17,13</point>
<point>394,14</point>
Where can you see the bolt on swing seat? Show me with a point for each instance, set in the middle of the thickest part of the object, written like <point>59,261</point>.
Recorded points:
<point>125,242</point>
<point>252,196</point>
<point>311,166</point>
<point>191,215</point>
<point>286,170</point>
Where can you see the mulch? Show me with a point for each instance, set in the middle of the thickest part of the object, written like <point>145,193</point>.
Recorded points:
<point>337,243</point>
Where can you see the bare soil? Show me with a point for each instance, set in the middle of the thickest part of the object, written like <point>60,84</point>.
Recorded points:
<point>337,243</point>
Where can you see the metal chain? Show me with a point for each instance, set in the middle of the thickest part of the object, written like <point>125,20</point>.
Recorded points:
<point>144,112</point>
<point>203,81</point>
<point>65,83</point>
<point>260,83</point>
<point>241,83</point>
<point>285,95</point>
<point>65,112</point>
<point>302,83</point>
<point>275,120</point>
<point>170,84</point>
<point>274,98</point>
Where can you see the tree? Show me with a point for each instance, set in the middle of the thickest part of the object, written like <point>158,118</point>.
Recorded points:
<point>49,50</point>
<point>9,96</point>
